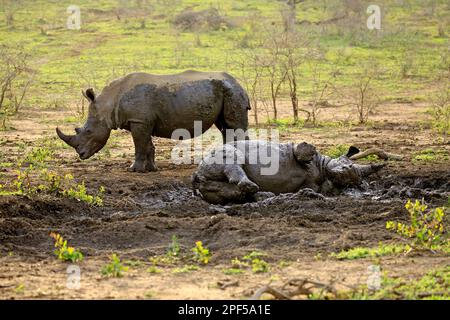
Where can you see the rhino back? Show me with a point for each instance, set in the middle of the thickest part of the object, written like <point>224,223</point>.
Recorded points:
<point>168,102</point>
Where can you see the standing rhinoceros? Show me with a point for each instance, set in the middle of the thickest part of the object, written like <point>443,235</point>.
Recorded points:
<point>235,172</point>
<point>156,105</point>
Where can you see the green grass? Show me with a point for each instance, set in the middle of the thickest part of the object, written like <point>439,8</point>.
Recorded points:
<point>106,48</point>
<point>337,150</point>
<point>233,271</point>
<point>186,268</point>
<point>435,285</point>
<point>431,155</point>
<point>364,252</point>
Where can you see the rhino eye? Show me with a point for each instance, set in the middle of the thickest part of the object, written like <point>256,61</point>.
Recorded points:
<point>88,131</point>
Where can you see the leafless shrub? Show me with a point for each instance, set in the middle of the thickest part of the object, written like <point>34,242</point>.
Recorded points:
<point>250,66</point>
<point>15,79</point>
<point>323,85</point>
<point>209,19</point>
<point>295,49</point>
<point>440,108</point>
<point>365,94</point>
<point>276,73</point>
<point>10,7</point>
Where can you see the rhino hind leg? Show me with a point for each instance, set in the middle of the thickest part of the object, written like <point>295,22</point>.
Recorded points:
<point>236,175</point>
<point>143,148</point>
<point>220,192</point>
<point>223,183</point>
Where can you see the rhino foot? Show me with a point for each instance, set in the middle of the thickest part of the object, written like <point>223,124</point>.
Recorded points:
<point>151,167</point>
<point>263,195</point>
<point>247,186</point>
<point>310,193</point>
<point>138,167</point>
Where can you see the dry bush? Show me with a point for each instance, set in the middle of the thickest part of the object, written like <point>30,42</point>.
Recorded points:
<point>364,94</point>
<point>205,20</point>
<point>295,48</point>
<point>323,85</point>
<point>440,109</point>
<point>251,70</point>
<point>276,74</point>
<point>15,79</point>
<point>10,7</point>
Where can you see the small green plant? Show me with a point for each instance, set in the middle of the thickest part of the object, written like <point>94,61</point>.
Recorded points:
<point>38,157</point>
<point>174,247</point>
<point>259,266</point>
<point>434,285</point>
<point>201,254</point>
<point>254,261</point>
<point>149,295</point>
<point>134,263</point>
<point>430,155</point>
<point>154,269</point>
<point>363,252</point>
<point>337,150</point>
<point>19,289</point>
<point>63,251</point>
<point>26,183</point>
<point>186,268</point>
<point>426,228</point>
<point>232,271</point>
<point>163,260</point>
<point>79,192</point>
<point>115,268</point>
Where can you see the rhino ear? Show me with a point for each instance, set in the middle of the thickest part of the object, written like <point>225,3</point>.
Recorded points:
<point>352,151</point>
<point>89,94</point>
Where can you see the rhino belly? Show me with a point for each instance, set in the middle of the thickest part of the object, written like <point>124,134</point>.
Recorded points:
<point>285,180</point>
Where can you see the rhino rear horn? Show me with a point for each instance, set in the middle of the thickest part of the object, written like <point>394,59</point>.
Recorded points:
<point>70,140</point>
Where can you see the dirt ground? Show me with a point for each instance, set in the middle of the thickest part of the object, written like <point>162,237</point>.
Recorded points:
<point>143,211</point>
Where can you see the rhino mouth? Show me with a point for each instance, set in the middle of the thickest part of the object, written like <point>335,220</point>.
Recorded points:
<point>83,155</point>
<point>87,153</point>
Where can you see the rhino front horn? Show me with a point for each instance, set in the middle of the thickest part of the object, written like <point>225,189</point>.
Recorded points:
<point>70,140</point>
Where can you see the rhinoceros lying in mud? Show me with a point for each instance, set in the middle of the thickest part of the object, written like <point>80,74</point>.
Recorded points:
<point>251,169</point>
<point>156,105</point>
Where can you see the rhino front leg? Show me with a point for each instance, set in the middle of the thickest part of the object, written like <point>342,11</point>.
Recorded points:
<point>141,136</point>
<point>236,175</point>
<point>151,165</point>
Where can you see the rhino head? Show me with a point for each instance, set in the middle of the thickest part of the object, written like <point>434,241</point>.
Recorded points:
<point>92,137</point>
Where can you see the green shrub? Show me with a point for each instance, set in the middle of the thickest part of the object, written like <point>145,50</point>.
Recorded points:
<point>337,151</point>
<point>115,268</point>
<point>363,252</point>
<point>201,254</point>
<point>426,228</point>
<point>63,251</point>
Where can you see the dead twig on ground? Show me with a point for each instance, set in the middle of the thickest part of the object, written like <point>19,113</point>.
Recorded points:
<point>296,287</point>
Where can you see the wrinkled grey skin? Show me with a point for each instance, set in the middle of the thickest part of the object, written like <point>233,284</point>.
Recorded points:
<point>300,167</point>
<point>156,105</point>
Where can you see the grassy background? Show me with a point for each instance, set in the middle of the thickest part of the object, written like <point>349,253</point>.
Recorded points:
<point>107,47</point>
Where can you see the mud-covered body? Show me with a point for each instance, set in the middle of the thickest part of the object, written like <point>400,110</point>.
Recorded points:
<point>298,166</point>
<point>174,101</point>
<point>157,105</point>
